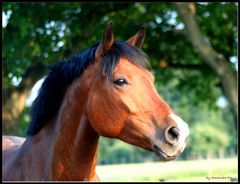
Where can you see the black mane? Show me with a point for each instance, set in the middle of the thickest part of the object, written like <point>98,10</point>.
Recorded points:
<point>62,74</point>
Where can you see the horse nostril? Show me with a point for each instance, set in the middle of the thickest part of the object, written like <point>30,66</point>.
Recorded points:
<point>172,135</point>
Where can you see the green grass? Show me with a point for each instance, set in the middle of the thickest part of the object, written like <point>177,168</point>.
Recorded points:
<point>193,170</point>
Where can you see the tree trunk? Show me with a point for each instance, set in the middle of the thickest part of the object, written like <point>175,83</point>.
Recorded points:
<point>217,61</point>
<point>14,98</point>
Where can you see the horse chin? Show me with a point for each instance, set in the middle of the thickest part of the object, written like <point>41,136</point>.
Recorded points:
<point>162,155</point>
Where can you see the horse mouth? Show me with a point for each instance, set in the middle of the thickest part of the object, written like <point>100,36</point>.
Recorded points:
<point>162,155</point>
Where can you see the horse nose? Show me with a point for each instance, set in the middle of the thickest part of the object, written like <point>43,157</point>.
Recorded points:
<point>172,135</point>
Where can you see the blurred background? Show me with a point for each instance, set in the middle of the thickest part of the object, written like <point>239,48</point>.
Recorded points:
<point>192,48</point>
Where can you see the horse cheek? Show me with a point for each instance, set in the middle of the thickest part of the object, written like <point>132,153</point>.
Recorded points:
<point>104,114</point>
<point>94,113</point>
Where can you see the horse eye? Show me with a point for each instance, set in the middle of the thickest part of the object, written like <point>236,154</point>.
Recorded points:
<point>121,82</point>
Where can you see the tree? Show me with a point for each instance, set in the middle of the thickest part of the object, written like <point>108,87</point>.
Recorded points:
<point>215,60</point>
<point>208,141</point>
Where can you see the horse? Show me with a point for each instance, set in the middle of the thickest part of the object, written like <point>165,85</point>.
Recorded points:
<point>106,90</point>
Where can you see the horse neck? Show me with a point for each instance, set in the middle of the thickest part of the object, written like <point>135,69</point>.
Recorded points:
<point>74,152</point>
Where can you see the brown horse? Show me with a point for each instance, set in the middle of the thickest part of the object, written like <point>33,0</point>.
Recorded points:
<point>105,91</point>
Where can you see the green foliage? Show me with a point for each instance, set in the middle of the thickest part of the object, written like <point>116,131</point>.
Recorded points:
<point>208,139</point>
<point>112,151</point>
<point>24,122</point>
<point>32,35</point>
<point>217,18</point>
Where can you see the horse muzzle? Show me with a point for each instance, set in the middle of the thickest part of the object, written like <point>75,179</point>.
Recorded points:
<point>163,156</point>
<point>172,141</point>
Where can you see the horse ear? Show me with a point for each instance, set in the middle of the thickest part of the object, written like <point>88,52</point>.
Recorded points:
<point>138,38</point>
<point>106,43</point>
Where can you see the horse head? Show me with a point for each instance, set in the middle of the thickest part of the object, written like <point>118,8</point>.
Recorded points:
<point>123,102</point>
